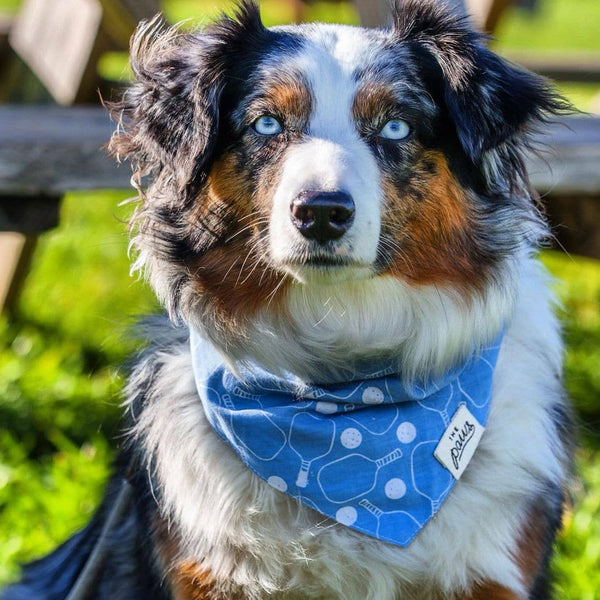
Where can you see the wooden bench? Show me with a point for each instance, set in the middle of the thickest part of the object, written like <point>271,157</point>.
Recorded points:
<point>567,175</point>
<point>46,151</point>
<point>49,53</point>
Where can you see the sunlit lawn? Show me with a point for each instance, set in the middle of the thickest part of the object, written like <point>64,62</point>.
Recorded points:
<point>59,358</point>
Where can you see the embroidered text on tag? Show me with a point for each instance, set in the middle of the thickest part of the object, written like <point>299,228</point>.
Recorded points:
<point>459,442</point>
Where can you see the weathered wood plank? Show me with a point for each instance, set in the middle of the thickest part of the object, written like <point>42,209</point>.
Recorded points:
<point>48,150</point>
<point>570,66</point>
<point>569,159</point>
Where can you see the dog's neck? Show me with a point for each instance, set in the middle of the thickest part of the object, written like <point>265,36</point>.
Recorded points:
<point>326,332</point>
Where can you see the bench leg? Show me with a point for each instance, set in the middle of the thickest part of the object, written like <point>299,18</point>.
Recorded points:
<point>22,219</point>
<point>16,250</point>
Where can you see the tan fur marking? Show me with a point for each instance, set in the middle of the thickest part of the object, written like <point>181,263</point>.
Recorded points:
<point>292,100</point>
<point>228,184</point>
<point>234,274</point>
<point>371,101</point>
<point>285,98</point>
<point>190,582</point>
<point>529,558</point>
<point>433,227</point>
<point>187,581</point>
<point>237,280</point>
<point>489,590</point>
<point>531,549</point>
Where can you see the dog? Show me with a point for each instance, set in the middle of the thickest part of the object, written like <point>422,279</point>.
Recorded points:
<point>358,393</point>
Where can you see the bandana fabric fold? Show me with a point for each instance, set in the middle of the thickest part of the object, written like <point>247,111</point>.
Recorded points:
<point>375,454</point>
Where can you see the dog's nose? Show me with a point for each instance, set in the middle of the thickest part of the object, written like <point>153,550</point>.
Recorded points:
<point>322,216</point>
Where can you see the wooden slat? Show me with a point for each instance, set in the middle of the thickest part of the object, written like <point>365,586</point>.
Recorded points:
<point>47,150</point>
<point>569,162</point>
<point>581,67</point>
<point>16,252</point>
<point>372,13</point>
<point>487,13</point>
<point>57,40</point>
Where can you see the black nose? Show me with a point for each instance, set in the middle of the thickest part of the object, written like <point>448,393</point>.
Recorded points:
<point>322,216</point>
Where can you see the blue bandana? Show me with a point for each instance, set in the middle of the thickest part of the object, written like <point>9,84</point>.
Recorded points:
<point>375,454</point>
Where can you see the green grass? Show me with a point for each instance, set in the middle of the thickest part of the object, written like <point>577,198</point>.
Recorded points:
<point>43,500</point>
<point>59,376</point>
<point>60,381</point>
<point>577,563</point>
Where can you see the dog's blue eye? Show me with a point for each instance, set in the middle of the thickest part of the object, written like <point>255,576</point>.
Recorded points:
<point>267,125</point>
<point>396,129</point>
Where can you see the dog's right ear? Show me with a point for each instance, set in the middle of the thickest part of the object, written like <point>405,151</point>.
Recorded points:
<point>168,120</point>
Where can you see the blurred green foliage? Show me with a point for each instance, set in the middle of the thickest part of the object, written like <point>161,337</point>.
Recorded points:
<point>60,357</point>
<point>577,563</point>
<point>552,25</point>
<point>59,376</point>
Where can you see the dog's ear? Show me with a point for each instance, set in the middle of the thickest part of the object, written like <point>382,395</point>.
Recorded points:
<point>168,120</point>
<point>489,100</point>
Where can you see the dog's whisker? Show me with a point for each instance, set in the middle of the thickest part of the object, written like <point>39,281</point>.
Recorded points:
<point>231,266</point>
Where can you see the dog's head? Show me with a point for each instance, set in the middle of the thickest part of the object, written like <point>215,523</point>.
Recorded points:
<point>337,188</point>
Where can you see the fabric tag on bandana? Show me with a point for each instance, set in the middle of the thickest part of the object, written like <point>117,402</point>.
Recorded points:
<point>459,442</point>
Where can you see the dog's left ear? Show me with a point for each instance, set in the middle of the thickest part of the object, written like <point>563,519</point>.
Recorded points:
<point>489,100</point>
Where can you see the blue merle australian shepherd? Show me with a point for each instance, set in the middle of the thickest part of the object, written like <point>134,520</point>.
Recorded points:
<point>360,395</point>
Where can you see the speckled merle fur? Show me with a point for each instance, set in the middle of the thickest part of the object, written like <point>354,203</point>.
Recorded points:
<point>183,114</point>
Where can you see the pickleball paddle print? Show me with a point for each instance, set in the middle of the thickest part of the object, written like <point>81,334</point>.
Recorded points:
<point>389,523</point>
<point>307,448</point>
<point>363,453</point>
<point>439,407</point>
<point>273,439</point>
<point>362,466</point>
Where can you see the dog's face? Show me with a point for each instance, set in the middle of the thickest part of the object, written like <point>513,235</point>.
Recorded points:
<point>336,135</point>
<point>301,157</point>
